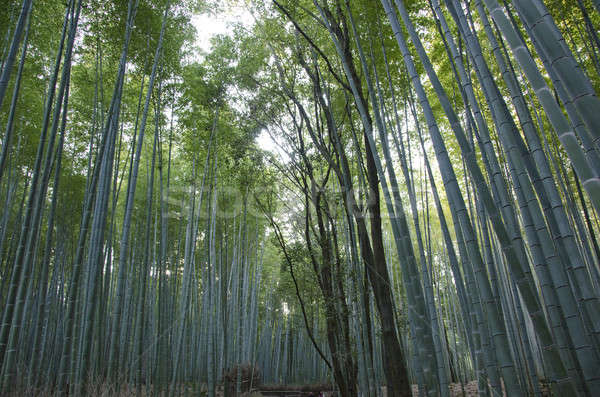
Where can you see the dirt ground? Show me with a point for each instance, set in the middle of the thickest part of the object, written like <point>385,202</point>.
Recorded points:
<point>470,390</point>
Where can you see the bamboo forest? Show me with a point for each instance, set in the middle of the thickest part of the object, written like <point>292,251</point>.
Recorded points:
<point>374,198</point>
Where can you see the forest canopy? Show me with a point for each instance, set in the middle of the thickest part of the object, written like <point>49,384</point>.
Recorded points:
<point>360,198</point>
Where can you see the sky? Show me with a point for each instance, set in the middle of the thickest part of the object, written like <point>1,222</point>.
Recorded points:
<point>213,23</point>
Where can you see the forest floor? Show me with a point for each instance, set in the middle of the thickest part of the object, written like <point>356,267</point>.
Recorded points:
<point>468,390</point>
<point>456,390</point>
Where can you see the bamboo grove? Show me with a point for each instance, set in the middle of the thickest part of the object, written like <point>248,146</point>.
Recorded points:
<point>425,218</point>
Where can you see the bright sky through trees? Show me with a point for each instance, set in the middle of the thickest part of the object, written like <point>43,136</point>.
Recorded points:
<point>208,25</point>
